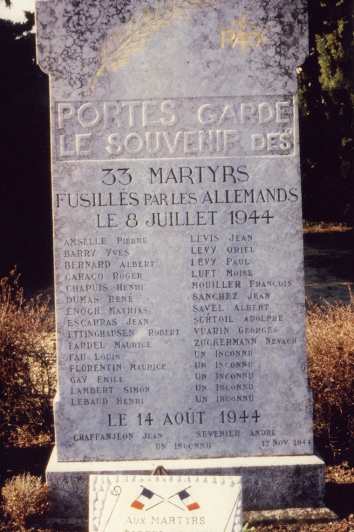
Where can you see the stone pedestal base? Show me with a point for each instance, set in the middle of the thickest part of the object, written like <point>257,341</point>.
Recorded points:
<point>269,483</point>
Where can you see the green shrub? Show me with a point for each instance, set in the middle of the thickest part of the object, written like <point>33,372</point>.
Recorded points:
<point>27,366</point>
<point>330,349</point>
<point>24,496</point>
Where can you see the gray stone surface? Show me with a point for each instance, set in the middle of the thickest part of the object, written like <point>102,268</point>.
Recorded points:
<point>268,482</point>
<point>177,222</point>
<point>174,503</point>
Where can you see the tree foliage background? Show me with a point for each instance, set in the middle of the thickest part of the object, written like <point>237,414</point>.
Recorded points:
<point>25,194</point>
<point>326,96</point>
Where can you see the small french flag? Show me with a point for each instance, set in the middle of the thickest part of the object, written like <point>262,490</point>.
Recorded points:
<point>144,497</point>
<point>188,501</point>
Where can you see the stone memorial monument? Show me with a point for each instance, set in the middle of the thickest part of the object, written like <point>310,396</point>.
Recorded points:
<point>178,244</point>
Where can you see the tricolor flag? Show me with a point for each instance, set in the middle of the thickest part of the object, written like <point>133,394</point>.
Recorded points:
<point>187,500</point>
<point>144,500</point>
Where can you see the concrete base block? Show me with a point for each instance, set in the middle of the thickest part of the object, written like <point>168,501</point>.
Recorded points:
<point>269,483</point>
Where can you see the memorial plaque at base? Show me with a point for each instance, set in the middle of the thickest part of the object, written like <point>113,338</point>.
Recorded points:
<point>176,504</point>
<point>177,229</point>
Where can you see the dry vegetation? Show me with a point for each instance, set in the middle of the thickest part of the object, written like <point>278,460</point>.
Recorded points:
<point>27,366</point>
<point>322,227</point>
<point>24,496</point>
<point>345,525</point>
<point>330,347</point>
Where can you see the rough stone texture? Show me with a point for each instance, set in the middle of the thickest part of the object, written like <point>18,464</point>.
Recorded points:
<point>177,219</point>
<point>268,482</point>
<point>181,502</point>
<point>183,59</point>
<point>290,515</point>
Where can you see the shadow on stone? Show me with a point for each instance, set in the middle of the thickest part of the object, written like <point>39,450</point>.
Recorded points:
<point>340,498</point>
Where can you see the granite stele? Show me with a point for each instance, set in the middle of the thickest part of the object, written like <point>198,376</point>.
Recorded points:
<point>178,244</point>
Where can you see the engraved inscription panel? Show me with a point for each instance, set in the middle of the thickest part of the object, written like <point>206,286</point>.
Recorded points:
<point>174,128</point>
<point>176,321</point>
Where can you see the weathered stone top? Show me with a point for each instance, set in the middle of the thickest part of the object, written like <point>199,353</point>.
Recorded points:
<point>233,49</point>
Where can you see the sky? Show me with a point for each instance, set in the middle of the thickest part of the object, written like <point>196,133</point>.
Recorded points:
<point>15,13</point>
